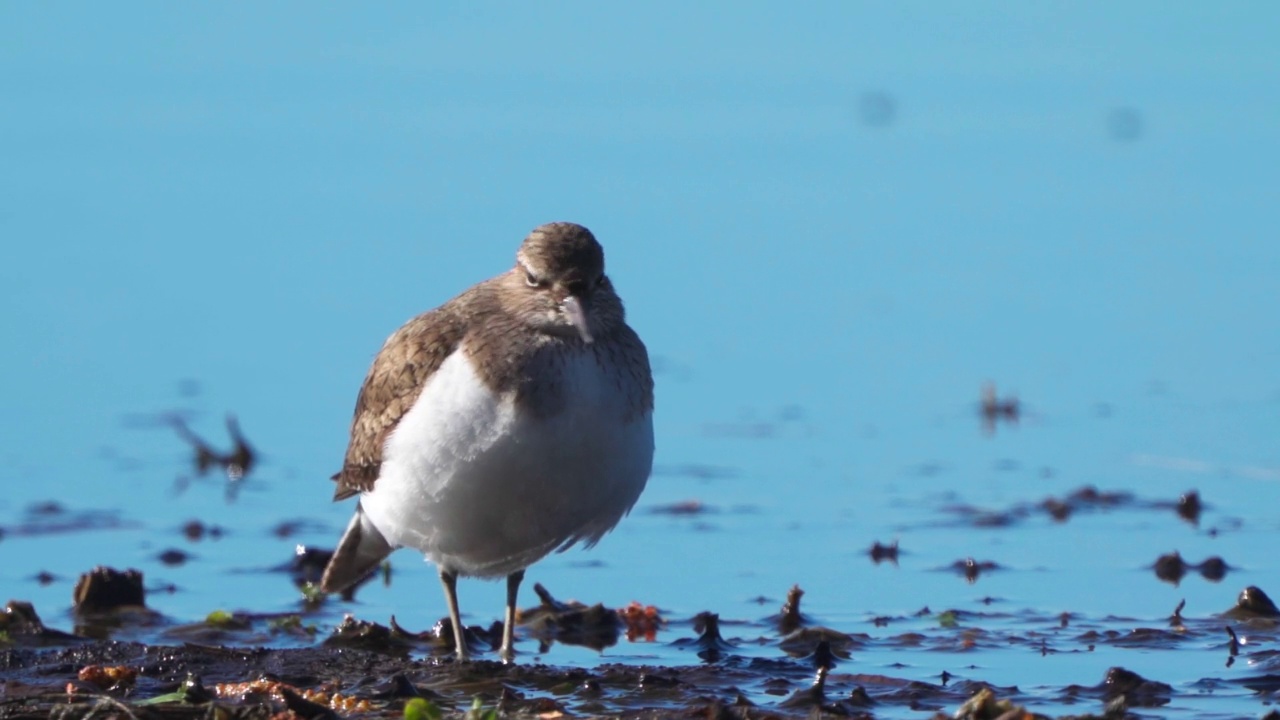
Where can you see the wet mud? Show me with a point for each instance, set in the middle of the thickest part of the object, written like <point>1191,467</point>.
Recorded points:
<point>194,681</point>
<point>786,665</point>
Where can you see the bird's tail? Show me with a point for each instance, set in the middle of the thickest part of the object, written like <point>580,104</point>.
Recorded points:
<point>361,549</point>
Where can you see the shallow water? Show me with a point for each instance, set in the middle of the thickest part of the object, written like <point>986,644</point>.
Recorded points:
<point>830,231</point>
<point>736,554</point>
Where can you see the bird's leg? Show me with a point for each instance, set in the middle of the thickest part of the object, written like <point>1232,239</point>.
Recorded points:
<point>508,652</point>
<point>449,579</point>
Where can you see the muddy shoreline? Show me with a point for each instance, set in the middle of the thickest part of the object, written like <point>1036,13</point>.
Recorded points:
<point>133,680</point>
<point>213,669</point>
<point>41,683</point>
<point>124,659</point>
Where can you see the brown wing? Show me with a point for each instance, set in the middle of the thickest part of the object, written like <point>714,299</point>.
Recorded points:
<point>406,360</point>
<point>632,359</point>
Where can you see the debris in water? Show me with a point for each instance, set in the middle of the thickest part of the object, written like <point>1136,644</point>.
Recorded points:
<point>19,623</point>
<point>173,557</point>
<point>112,678</point>
<point>105,589</point>
<point>1057,509</point>
<point>1234,648</point>
<point>571,623</point>
<point>789,617</point>
<point>195,531</point>
<point>642,621</point>
<point>709,644</point>
<point>44,577</point>
<point>1133,690</point>
<point>994,409</point>
<point>236,464</point>
<point>1170,568</point>
<point>806,641</point>
<point>1189,507</point>
<point>986,706</point>
<point>882,553</point>
<point>681,508</point>
<point>366,635</point>
<point>1253,603</point>
<point>972,569</point>
<point>1213,569</point>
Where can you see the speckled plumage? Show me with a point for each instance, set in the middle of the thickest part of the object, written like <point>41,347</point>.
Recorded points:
<point>547,397</point>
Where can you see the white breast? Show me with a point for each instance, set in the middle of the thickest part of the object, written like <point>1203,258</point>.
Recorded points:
<point>484,489</point>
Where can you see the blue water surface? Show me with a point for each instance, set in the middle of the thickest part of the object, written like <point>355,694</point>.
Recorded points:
<point>831,224</point>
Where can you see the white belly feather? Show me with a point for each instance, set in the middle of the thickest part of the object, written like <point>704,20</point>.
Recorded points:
<point>486,490</point>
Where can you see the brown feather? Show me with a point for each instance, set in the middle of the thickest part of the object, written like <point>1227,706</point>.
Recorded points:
<point>501,325</point>
<point>393,383</point>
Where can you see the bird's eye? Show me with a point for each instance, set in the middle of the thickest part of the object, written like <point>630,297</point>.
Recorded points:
<point>600,280</point>
<point>531,280</point>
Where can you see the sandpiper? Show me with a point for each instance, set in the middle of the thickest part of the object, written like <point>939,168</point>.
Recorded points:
<point>513,420</point>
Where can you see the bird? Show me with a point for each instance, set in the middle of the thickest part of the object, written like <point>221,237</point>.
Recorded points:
<point>512,421</point>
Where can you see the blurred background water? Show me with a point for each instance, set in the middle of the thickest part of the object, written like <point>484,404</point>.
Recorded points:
<point>831,225</point>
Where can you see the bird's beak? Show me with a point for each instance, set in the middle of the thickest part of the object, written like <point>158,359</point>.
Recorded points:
<point>577,317</point>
